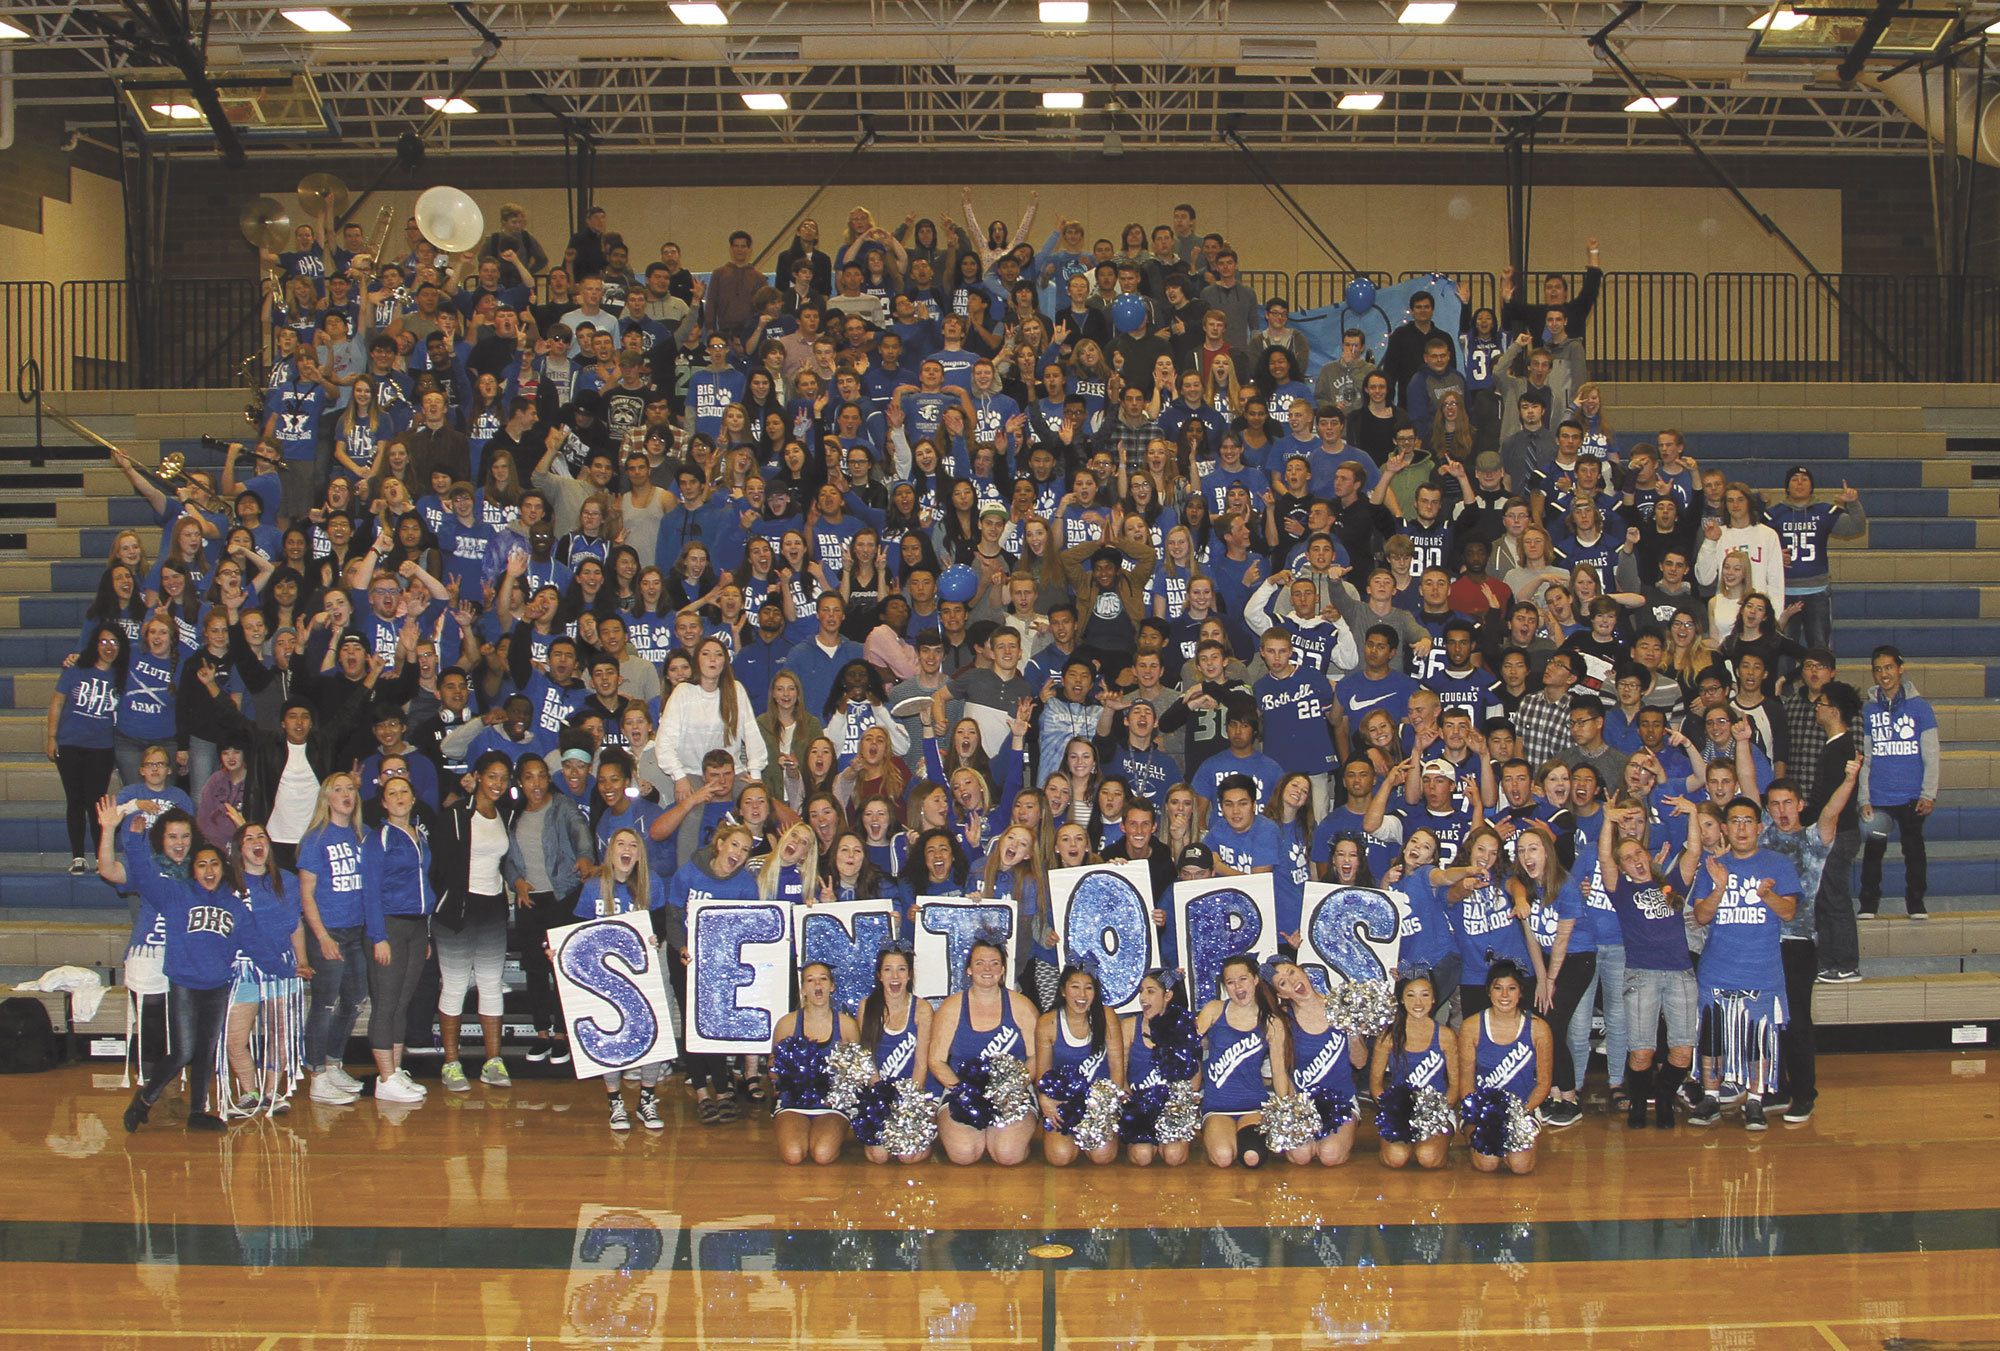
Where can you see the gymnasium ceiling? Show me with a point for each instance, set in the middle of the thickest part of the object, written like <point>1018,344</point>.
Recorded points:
<point>970,74</point>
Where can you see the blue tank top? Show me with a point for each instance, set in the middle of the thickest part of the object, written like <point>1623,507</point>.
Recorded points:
<point>1067,1054</point>
<point>1140,1069</point>
<point>1231,1065</point>
<point>897,1051</point>
<point>1507,1066</point>
<point>1420,1071</point>
<point>1321,1064</point>
<point>969,1047</point>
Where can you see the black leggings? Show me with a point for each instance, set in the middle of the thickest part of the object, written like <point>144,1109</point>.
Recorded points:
<point>705,1069</point>
<point>1578,970</point>
<point>195,1020</point>
<point>532,927</point>
<point>86,776</point>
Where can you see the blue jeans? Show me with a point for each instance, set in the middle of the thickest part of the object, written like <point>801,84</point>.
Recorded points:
<point>338,987</point>
<point>204,759</point>
<point>1814,625</point>
<point>1608,979</point>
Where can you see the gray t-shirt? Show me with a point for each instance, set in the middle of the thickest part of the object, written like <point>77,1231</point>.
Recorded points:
<point>528,827</point>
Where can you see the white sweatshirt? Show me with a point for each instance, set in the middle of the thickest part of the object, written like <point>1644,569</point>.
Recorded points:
<point>691,727</point>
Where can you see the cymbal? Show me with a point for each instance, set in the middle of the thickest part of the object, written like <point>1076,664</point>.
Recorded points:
<point>322,193</point>
<point>266,224</point>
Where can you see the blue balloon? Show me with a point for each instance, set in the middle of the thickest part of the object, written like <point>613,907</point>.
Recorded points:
<point>1128,313</point>
<point>958,583</point>
<point>1360,294</point>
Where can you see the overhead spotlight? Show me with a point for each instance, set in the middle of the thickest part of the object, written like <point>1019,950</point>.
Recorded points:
<point>1427,11</point>
<point>12,32</point>
<point>1114,144</point>
<point>450,107</point>
<point>765,101</point>
<point>1783,19</point>
<point>1062,100</point>
<point>179,112</point>
<point>1065,13</point>
<point>1364,102</point>
<point>700,15</point>
<point>316,20</point>
<point>1652,105</point>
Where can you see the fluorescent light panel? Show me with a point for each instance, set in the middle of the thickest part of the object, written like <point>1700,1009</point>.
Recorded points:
<point>12,32</point>
<point>1652,105</point>
<point>700,15</point>
<point>1066,13</point>
<point>316,20</point>
<point>1062,100</point>
<point>1364,102</point>
<point>450,107</point>
<point>179,112</point>
<point>1427,11</point>
<point>765,101</point>
<point>1784,20</point>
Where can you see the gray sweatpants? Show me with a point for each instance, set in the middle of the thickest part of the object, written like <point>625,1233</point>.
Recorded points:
<point>392,988</point>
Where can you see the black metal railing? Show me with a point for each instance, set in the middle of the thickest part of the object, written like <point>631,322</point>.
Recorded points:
<point>1776,326</point>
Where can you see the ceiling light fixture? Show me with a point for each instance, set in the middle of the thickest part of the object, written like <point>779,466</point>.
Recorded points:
<point>179,112</point>
<point>1781,20</point>
<point>700,15</point>
<point>1365,102</point>
<point>450,107</point>
<point>1427,11</point>
<point>1065,13</point>
<point>12,32</point>
<point>765,101</point>
<point>1652,105</point>
<point>316,20</point>
<point>1062,100</point>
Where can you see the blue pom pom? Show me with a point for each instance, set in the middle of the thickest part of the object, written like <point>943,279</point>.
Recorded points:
<point>799,1073</point>
<point>1176,1044</point>
<point>1334,1112</point>
<point>967,1099</point>
<point>1485,1113</point>
<point>1392,1114</point>
<point>1069,1089</point>
<point>871,1111</point>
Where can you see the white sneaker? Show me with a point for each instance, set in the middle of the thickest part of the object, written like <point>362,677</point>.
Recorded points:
<point>325,1090</point>
<point>393,1089</point>
<point>412,1085</point>
<point>341,1078</point>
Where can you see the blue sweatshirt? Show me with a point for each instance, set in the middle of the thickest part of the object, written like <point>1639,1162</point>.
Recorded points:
<point>395,877</point>
<point>201,925</point>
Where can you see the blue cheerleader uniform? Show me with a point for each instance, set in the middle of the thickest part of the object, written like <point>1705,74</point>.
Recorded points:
<point>1420,1071</point>
<point>1323,1069</point>
<point>787,1102</point>
<point>1507,1066</point>
<point>896,1052</point>
<point>1232,1082</point>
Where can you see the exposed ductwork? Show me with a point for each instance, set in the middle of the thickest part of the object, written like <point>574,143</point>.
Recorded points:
<point>1977,109</point>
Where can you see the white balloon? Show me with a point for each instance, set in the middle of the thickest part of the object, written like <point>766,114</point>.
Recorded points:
<point>450,219</point>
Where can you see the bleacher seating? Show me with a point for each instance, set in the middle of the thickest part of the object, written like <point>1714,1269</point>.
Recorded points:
<point>1926,576</point>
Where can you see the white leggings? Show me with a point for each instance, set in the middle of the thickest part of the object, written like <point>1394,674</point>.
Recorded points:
<point>475,956</point>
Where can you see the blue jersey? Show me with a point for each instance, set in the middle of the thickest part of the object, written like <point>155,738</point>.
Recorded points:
<point>1508,1066</point>
<point>1429,930</point>
<point>1424,1070</point>
<point>1471,689</point>
<point>1344,822</point>
<point>1360,692</point>
<point>1295,727</point>
<point>970,1046</point>
<point>89,707</point>
<point>1261,769</point>
<point>1545,919</point>
<point>1805,533</point>
<point>1451,827</point>
<point>1322,1065</point>
<point>1430,544</point>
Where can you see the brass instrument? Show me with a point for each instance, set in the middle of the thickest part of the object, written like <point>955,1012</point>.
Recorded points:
<point>266,225</point>
<point>384,218</point>
<point>170,472</point>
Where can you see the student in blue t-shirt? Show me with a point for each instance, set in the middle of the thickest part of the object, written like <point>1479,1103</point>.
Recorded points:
<point>82,725</point>
<point>1378,684</point>
<point>1742,896</point>
<point>1241,756</point>
<point>1243,840</point>
<point>1900,782</point>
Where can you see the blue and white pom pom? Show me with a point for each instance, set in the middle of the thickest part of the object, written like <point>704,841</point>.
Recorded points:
<point>1290,1122</point>
<point>1161,1114</point>
<point>991,1092</point>
<point>1406,1115</point>
<point>896,1115</point>
<point>799,1073</point>
<point>850,1069</point>
<point>1103,1101</point>
<point>1499,1123</point>
<point>1067,1088</point>
<point>1364,1007</point>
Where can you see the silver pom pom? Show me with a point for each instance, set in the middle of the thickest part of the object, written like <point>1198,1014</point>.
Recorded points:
<point>1099,1123</point>
<point>1522,1128</point>
<point>1009,1091</point>
<point>911,1129</point>
<point>1430,1114</point>
<point>850,1068</point>
<point>1180,1120</point>
<point>1366,1007</point>
<point>1290,1122</point>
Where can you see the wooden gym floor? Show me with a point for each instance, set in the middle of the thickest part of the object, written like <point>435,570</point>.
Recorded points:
<point>515,1218</point>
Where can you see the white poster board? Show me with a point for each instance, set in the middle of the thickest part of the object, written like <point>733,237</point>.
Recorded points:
<point>739,975</point>
<point>1218,917</point>
<point>614,994</point>
<point>1351,933</point>
<point>945,928</point>
<point>1104,913</point>
<point>847,936</point>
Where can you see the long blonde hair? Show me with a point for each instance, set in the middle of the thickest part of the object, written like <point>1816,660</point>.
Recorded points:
<point>639,883</point>
<point>322,815</point>
<point>774,864</point>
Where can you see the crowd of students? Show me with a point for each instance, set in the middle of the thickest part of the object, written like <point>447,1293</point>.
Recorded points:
<point>552,590</point>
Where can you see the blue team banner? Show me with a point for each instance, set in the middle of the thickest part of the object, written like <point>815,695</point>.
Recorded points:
<point>1389,310</point>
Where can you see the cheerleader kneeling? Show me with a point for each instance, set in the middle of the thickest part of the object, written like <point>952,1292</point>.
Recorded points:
<point>983,1065</point>
<point>1243,1032</point>
<point>1414,1075</point>
<point>807,1126</point>
<point>1323,1059</point>
<point>1506,1055</point>
<point>893,1117</point>
<point>1162,1064</point>
<point>1082,1090</point>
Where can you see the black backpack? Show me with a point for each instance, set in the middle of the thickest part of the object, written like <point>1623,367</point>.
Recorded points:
<point>27,1038</point>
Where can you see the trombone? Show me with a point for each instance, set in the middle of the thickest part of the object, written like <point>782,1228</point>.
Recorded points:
<point>171,472</point>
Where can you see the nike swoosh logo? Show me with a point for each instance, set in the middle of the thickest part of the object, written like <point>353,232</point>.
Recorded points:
<point>1370,703</point>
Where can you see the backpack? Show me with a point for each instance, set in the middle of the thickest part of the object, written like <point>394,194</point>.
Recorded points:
<point>27,1038</point>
